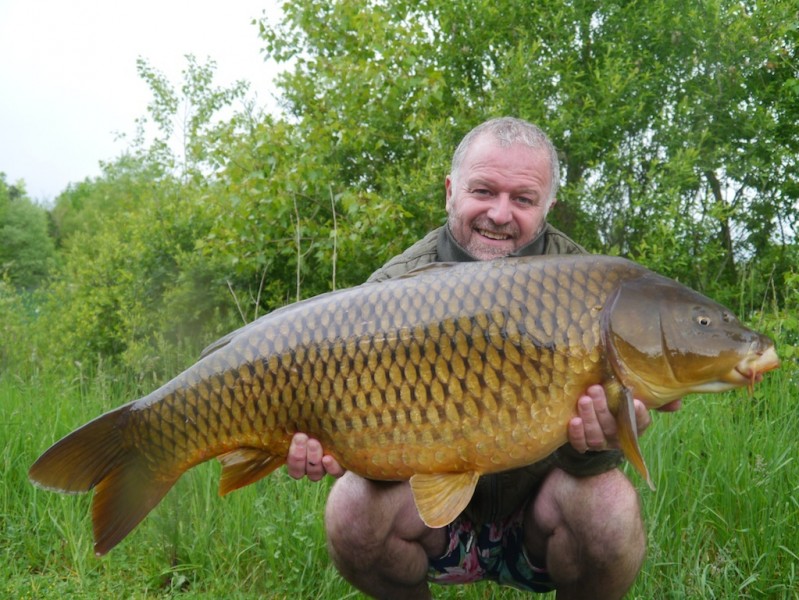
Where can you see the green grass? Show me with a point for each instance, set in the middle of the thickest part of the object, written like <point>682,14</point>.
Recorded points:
<point>723,523</point>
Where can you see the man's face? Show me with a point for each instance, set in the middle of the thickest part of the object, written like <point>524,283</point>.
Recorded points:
<point>497,202</point>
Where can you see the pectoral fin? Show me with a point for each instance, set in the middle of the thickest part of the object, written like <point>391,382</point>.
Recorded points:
<point>441,497</point>
<point>627,428</point>
<point>619,396</point>
<point>245,466</point>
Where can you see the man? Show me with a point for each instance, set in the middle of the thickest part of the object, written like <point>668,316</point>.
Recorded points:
<point>571,522</point>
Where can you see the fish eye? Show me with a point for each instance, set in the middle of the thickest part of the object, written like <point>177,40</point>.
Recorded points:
<point>704,320</point>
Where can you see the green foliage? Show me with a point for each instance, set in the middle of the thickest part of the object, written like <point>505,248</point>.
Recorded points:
<point>676,127</point>
<point>12,327</point>
<point>187,122</point>
<point>726,497</point>
<point>783,323</point>
<point>135,285</point>
<point>373,117</point>
<point>27,252</point>
<point>659,113</point>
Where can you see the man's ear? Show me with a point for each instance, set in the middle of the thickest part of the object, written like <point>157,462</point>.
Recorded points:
<point>448,187</point>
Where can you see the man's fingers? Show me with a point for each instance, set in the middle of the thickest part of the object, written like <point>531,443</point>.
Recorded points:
<point>642,417</point>
<point>306,458</point>
<point>313,464</point>
<point>576,434</point>
<point>599,423</point>
<point>594,438</point>
<point>332,467</point>
<point>594,427</point>
<point>295,461</point>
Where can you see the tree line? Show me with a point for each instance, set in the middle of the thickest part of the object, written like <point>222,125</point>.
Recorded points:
<point>676,126</point>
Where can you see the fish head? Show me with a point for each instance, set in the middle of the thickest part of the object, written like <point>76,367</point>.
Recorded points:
<point>667,340</point>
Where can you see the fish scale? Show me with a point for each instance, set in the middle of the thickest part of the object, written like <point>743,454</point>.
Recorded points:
<point>437,378</point>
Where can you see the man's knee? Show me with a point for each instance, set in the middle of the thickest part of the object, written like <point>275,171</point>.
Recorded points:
<point>362,516</point>
<point>589,523</point>
<point>349,520</point>
<point>615,539</point>
<point>377,540</point>
<point>618,509</point>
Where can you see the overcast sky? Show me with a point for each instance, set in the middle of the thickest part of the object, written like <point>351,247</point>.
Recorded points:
<point>68,77</point>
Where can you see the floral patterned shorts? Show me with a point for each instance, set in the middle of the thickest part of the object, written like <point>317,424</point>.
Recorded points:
<point>492,551</point>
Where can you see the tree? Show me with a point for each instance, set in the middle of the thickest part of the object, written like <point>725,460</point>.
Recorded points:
<point>675,123</point>
<point>187,119</point>
<point>132,281</point>
<point>27,253</point>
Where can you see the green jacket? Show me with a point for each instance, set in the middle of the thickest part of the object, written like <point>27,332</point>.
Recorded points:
<point>440,246</point>
<point>499,495</point>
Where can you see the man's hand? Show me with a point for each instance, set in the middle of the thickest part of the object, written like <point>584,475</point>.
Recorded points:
<point>307,459</point>
<point>594,427</point>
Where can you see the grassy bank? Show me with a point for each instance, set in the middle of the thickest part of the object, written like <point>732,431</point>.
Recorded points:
<point>723,523</point>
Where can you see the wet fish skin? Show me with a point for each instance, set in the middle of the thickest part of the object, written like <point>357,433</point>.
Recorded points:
<point>438,377</point>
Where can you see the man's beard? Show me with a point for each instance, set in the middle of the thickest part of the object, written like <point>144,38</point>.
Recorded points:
<point>475,246</point>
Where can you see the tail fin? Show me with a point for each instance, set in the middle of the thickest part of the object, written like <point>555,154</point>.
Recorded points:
<point>95,457</point>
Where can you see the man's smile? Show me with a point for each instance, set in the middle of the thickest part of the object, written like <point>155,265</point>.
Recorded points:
<point>491,235</point>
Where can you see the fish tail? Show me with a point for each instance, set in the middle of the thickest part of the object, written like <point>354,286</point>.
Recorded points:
<point>96,457</point>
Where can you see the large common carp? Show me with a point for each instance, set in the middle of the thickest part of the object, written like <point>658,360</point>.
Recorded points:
<point>438,377</point>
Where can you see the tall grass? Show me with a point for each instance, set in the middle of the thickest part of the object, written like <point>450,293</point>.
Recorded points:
<point>723,523</point>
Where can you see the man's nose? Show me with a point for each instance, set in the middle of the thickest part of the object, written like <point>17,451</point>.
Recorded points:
<point>501,211</point>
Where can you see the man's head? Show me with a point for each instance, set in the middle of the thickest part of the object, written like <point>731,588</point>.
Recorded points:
<point>504,179</point>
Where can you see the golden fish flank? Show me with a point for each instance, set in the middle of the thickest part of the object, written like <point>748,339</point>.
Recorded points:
<point>437,378</point>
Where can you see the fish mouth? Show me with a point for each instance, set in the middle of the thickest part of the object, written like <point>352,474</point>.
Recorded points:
<point>750,370</point>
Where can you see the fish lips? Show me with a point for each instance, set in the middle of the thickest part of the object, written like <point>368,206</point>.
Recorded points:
<point>752,367</point>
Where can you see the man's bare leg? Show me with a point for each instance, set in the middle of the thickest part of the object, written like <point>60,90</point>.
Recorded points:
<point>589,533</point>
<point>377,540</point>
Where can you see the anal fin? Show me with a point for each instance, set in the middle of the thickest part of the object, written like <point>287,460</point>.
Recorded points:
<point>441,497</point>
<point>245,466</point>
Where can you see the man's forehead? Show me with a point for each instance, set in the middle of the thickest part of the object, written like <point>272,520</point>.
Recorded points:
<point>529,167</point>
